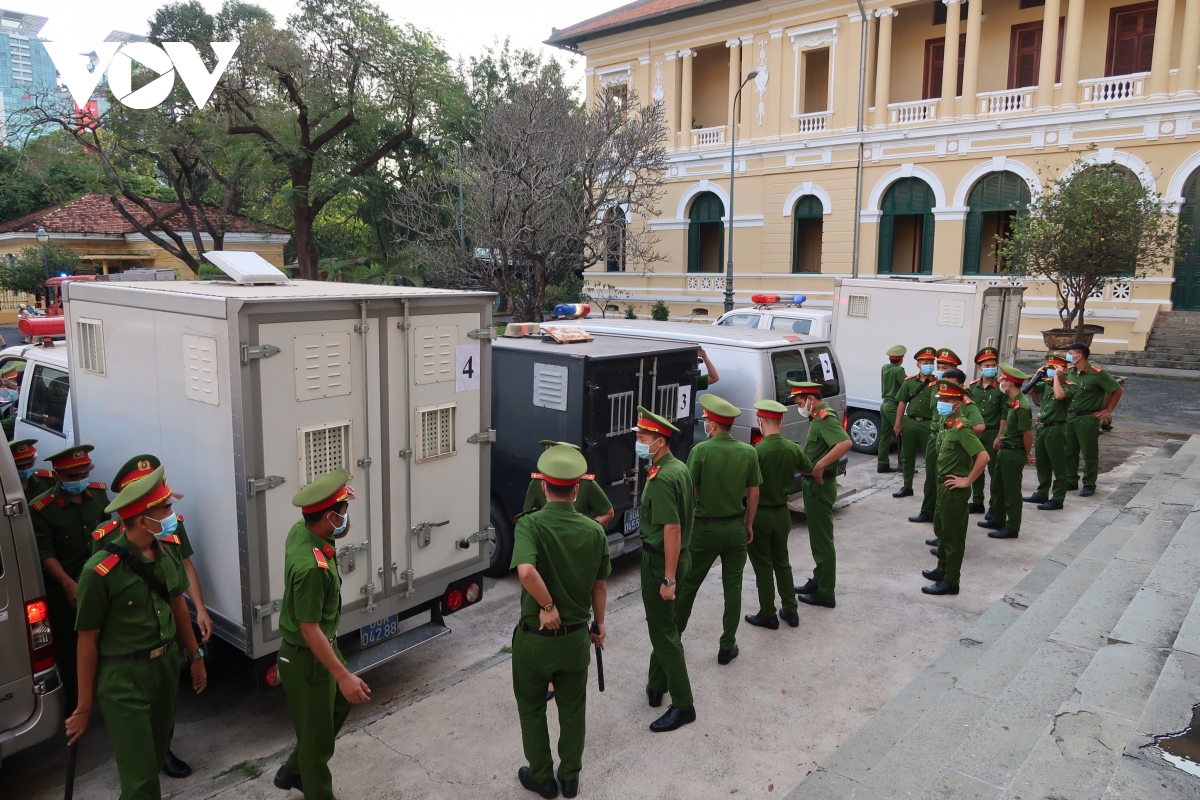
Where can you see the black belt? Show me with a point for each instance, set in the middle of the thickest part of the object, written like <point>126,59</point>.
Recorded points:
<point>1052,424</point>
<point>919,419</point>
<point>1012,447</point>
<point>1082,413</point>
<point>772,505</point>
<point>826,475</point>
<point>650,549</point>
<point>332,642</point>
<point>889,400</point>
<point>141,655</point>
<point>722,519</point>
<point>563,631</point>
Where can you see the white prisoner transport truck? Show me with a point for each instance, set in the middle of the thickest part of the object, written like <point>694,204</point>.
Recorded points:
<point>871,315</point>
<point>248,391</point>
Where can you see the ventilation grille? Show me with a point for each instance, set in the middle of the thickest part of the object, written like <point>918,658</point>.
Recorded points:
<point>200,369</point>
<point>859,305</point>
<point>952,313</point>
<point>91,345</point>
<point>322,362</point>
<point>323,448</point>
<point>436,427</point>
<point>668,401</point>
<point>435,353</point>
<point>620,413</point>
<point>550,386</point>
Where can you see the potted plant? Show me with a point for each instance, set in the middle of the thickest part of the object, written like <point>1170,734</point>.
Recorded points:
<point>1094,223</point>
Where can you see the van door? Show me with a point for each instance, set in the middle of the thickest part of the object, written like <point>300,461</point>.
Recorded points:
<point>16,678</point>
<point>44,410</point>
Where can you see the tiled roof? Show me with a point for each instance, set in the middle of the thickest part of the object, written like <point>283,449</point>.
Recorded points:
<point>633,15</point>
<point>95,214</point>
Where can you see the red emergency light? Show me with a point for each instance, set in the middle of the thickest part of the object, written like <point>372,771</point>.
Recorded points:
<point>42,327</point>
<point>764,299</point>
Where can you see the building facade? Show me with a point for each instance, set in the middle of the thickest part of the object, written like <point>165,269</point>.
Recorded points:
<point>947,155</point>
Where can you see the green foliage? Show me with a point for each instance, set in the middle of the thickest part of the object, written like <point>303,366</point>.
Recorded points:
<point>630,311</point>
<point>28,272</point>
<point>660,311</point>
<point>569,291</point>
<point>396,271</point>
<point>603,295</point>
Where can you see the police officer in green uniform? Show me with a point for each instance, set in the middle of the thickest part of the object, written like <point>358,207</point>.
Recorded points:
<point>561,558</point>
<point>131,614</point>
<point>706,379</point>
<point>63,520</point>
<point>34,482</point>
<point>985,394</point>
<point>827,442</point>
<point>591,501</point>
<point>1085,414</point>
<point>961,460</point>
<point>665,527</point>
<point>779,460</point>
<point>947,360</point>
<point>891,378</point>
<point>723,471</point>
<point>973,419</point>
<point>1052,389</point>
<point>914,411</point>
<point>319,687</point>
<point>1014,449</point>
<point>10,388</point>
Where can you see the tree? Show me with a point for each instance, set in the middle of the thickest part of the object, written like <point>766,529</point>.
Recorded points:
<point>1093,224</point>
<point>539,182</point>
<point>660,311</point>
<point>604,295</point>
<point>27,273</point>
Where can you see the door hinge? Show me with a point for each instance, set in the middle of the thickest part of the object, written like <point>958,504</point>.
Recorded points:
<point>482,333</point>
<point>256,485</point>
<point>406,453</point>
<point>15,509</point>
<point>362,328</point>
<point>365,462</point>
<point>422,531</point>
<point>483,437</point>
<point>253,351</point>
<point>267,609</point>
<point>478,536</point>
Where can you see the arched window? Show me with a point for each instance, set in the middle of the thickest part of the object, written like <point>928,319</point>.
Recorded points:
<point>614,240</point>
<point>808,219</point>
<point>706,233</point>
<point>906,228</point>
<point>1185,294</point>
<point>993,202</point>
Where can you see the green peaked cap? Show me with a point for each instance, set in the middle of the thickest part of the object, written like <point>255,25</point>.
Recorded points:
<point>1008,370</point>
<point>719,406</point>
<point>898,350</point>
<point>660,425</point>
<point>562,464</point>
<point>322,488</point>
<point>136,491</point>
<point>552,443</point>
<point>774,406</point>
<point>142,465</point>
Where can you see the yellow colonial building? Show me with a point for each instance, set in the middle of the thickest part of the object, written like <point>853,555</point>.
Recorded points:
<point>944,154</point>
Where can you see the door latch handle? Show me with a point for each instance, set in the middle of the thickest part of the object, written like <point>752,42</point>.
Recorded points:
<point>422,531</point>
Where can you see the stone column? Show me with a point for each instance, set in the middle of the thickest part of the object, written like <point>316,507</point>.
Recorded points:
<point>735,77</point>
<point>685,101</point>
<point>1072,47</point>
<point>1160,61</point>
<point>948,106</point>
<point>589,88</point>
<point>1189,57</point>
<point>970,103</point>
<point>1048,58</point>
<point>883,73</point>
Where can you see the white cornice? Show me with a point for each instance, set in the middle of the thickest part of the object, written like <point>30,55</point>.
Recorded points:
<point>814,35</point>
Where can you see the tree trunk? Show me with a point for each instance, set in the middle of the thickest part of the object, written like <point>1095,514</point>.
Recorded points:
<point>306,246</point>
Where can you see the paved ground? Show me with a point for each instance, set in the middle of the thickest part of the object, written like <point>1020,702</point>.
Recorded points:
<point>442,721</point>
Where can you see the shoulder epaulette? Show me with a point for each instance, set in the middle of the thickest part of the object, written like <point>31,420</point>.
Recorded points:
<point>958,423</point>
<point>1015,403</point>
<point>106,529</point>
<point>824,413</point>
<point>172,539</point>
<point>913,377</point>
<point>43,473</point>
<point>977,380</point>
<point>1096,369</point>
<point>105,566</point>
<point>43,501</point>
<point>180,517</point>
<point>586,477</point>
<point>968,401</point>
<point>103,486</point>
<point>537,476</point>
<point>320,557</point>
<point>653,472</point>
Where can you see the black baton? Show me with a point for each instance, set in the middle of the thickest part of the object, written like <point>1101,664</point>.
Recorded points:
<point>72,753</point>
<point>595,629</point>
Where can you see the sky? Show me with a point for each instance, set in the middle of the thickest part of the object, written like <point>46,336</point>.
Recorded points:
<point>464,26</point>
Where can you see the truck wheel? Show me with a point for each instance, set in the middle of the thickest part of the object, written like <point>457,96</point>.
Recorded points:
<point>863,428</point>
<point>501,544</point>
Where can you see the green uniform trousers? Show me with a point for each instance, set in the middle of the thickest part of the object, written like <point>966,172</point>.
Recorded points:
<point>818,512</point>
<point>137,699</point>
<point>668,669</point>
<point>1083,438</point>
<point>318,712</point>
<point>537,662</point>
<point>914,438</point>
<point>986,439</point>
<point>62,629</point>
<point>887,420</point>
<point>1050,453</point>
<point>950,527</point>
<point>769,556</point>
<point>929,496</point>
<point>710,541</point>
<point>1007,502</point>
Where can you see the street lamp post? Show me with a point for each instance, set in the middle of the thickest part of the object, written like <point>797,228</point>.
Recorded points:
<point>43,238</point>
<point>462,223</point>
<point>751,75</point>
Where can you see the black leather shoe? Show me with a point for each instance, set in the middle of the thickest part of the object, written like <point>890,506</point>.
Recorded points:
<point>175,767</point>
<point>791,618</point>
<point>569,788</point>
<point>933,551</point>
<point>1087,491</point>
<point>725,656</point>
<point>990,524</point>
<point>975,508</point>
<point>990,513</point>
<point>1035,498</point>
<point>674,719</point>
<point>286,779</point>
<point>760,621</point>
<point>884,469</point>
<point>549,695</point>
<point>931,542</point>
<point>922,517</point>
<point>1050,505</point>
<point>904,492</point>
<point>941,587</point>
<point>654,697</point>
<point>809,587</point>
<point>1003,533</point>
<point>932,575</point>
<point>814,599</point>
<point>546,790</point>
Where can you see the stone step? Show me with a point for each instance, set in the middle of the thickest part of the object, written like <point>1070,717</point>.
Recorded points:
<point>1162,363</point>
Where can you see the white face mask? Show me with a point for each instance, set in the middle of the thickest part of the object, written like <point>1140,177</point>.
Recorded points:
<point>804,412</point>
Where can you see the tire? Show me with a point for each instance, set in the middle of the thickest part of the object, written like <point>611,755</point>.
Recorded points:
<point>501,546</point>
<point>863,427</point>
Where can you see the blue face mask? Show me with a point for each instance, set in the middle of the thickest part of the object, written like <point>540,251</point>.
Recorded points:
<point>8,395</point>
<point>25,474</point>
<point>927,369</point>
<point>1050,373</point>
<point>945,409</point>
<point>340,531</point>
<point>1070,358</point>
<point>939,373</point>
<point>168,526</point>
<point>990,372</point>
<point>642,449</point>
<point>74,487</point>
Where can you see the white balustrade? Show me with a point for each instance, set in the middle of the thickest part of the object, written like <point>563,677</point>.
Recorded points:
<point>704,137</point>
<point>817,122</point>
<point>1115,89</point>
<point>1007,101</point>
<point>912,112</point>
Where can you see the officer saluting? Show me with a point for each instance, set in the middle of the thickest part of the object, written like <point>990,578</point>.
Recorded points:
<point>319,687</point>
<point>591,500</point>
<point>561,558</point>
<point>34,482</point>
<point>131,611</point>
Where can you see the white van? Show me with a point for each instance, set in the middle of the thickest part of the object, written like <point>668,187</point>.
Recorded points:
<point>782,314</point>
<point>43,410</point>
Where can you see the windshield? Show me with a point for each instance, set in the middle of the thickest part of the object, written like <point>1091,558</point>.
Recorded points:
<point>791,325</point>
<point>741,321</point>
<point>787,365</point>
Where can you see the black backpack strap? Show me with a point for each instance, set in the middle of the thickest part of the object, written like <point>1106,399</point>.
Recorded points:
<point>139,569</point>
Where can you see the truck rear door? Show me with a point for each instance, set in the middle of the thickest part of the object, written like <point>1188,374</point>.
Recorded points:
<point>16,676</point>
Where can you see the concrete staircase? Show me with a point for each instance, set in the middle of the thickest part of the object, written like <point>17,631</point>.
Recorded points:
<point>1057,691</point>
<point>1174,343</point>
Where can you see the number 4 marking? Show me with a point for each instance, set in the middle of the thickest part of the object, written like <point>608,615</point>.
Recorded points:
<point>469,368</point>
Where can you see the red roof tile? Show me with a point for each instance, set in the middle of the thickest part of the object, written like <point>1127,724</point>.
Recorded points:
<point>95,214</point>
<point>633,15</point>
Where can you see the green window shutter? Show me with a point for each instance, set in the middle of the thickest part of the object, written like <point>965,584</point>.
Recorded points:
<point>693,252</point>
<point>927,244</point>
<point>971,236</point>
<point>886,233</point>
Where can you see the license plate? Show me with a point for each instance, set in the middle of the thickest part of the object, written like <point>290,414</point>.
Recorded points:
<point>633,520</point>
<point>377,632</point>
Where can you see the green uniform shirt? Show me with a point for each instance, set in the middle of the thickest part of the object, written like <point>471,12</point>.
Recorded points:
<point>570,552</point>
<point>891,378</point>
<point>920,392</point>
<point>722,468</point>
<point>1019,420</point>
<point>702,382</point>
<point>779,460</point>
<point>668,499</point>
<point>64,527</point>
<point>130,616</point>
<point>957,447</point>
<point>312,586</point>
<point>971,414</point>
<point>110,530</point>
<point>1053,410</point>
<point>824,431</point>
<point>39,483</point>
<point>591,502</point>
<point>1094,383</point>
<point>989,400</point>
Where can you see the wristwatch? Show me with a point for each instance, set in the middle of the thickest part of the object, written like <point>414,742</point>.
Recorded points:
<point>668,582</point>
<point>198,655</point>
<point>548,607</point>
